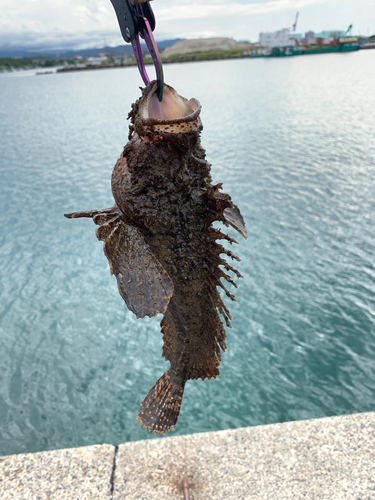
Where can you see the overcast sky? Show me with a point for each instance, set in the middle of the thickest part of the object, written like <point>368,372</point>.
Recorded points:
<point>91,23</point>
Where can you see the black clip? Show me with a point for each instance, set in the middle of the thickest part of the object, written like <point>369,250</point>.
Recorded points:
<point>135,21</point>
<point>131,24</point>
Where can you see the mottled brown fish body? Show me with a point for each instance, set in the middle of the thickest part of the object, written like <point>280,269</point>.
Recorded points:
<point>162,248</point>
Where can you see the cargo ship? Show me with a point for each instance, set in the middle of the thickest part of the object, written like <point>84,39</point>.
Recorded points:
<point>301,50</point>
<point>325,49</point>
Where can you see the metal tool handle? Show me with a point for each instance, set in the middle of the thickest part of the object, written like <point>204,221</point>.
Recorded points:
<point>130,24</point>
<point>136,19</point>
<point>127,19</point>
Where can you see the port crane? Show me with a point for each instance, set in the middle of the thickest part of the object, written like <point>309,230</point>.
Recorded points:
<point>349,31</point>
<point>294,29</point>
<point>295,22</point>
<point>348,37</point>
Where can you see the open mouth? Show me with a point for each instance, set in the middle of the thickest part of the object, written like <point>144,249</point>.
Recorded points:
<point>174,115</point>
<point>172,107</point>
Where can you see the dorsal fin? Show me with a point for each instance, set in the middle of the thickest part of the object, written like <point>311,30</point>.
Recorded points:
<point>222,208</point>
<point>142,281</point>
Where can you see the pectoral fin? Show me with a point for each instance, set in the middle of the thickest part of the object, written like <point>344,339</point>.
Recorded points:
<point>222,208</point>
<point>142,281</point>
<point>234,218</point>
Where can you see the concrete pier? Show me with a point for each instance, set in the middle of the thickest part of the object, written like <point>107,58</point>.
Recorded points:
<point>328,458</point>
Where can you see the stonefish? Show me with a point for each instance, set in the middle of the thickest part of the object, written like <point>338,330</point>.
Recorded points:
<point>162,248</point>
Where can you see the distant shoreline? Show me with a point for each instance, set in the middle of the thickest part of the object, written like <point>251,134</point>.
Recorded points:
<point>188,58</point>
<point>184,59</point>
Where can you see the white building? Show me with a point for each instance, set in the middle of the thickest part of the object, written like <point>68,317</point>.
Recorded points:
<point>97,60</point>
<point>276,39</point>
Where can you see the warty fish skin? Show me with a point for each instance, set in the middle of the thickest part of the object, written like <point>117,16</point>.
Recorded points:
<point>162,248</point>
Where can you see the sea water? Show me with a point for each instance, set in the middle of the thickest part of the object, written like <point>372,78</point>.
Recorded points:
<point>292,141</point>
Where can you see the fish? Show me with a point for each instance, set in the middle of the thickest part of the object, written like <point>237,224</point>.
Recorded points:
<point>162,247</point>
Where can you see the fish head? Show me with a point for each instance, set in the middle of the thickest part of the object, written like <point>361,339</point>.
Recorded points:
<point>163,165</point>
<point>173,115</point>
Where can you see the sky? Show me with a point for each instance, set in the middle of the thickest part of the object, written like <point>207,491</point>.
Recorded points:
<point>82,24</point>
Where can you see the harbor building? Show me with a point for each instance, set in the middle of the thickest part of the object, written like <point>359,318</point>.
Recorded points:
<point>276,39</point>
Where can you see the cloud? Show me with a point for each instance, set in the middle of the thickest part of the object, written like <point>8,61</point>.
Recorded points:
<point>60,16</point>
<point>86,15</point>
<point>87,23</point>
<point>199,11</point>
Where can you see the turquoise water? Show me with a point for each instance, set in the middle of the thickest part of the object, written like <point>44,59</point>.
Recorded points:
<point>293,142</point>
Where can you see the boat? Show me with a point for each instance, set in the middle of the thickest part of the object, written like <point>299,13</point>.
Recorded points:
<point>297,50</point>
<point>342,47</point>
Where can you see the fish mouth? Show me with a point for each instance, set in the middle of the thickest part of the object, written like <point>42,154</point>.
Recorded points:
<point>173,115</point>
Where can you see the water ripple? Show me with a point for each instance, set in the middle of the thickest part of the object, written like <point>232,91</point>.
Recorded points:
<point>295,151</point>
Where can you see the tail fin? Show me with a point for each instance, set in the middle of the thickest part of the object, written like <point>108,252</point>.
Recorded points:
<point>161,407</point>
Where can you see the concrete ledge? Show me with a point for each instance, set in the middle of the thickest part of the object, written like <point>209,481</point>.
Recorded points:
<point>79,473</point>
<point>326,459</point>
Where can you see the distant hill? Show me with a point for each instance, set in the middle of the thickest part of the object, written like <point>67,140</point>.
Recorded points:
<point>183,47</point>
<point>120,50</point>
